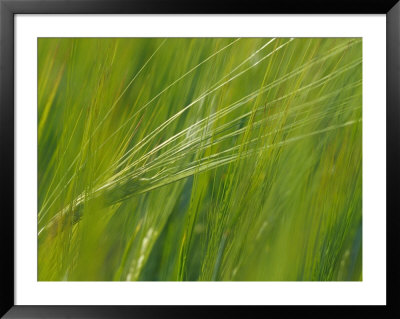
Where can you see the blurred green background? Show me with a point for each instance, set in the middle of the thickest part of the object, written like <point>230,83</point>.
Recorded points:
<point>200,159</point>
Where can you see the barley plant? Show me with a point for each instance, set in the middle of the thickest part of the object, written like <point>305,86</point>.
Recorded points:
<point>210,159</point>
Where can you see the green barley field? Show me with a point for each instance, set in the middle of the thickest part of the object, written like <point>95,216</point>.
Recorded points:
<point>199,159</point>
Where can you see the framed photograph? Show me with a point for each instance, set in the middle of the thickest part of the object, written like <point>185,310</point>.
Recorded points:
<point>174,159</point>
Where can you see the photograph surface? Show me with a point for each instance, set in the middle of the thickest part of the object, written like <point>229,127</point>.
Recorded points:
<point>199,159</point>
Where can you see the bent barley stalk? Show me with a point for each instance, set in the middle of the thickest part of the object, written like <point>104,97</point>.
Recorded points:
<point>199,159</point>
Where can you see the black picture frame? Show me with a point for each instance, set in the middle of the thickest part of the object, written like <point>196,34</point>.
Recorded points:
<point>8,8</point>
